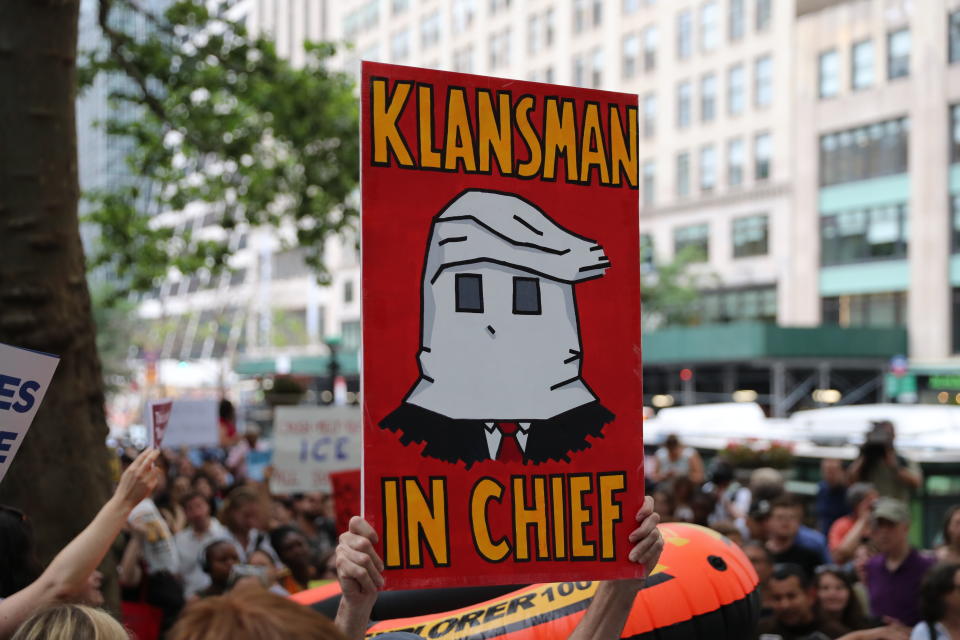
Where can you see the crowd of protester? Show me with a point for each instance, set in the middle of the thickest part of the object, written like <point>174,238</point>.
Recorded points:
<point>852,573</point>
<point>204,550</point>
<point>203,546</point>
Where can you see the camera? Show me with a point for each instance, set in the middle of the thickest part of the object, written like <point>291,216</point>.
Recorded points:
<point>240,571</point>
<point>877,442</point>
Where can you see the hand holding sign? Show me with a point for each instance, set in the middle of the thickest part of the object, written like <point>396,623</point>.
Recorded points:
<point>159,414</point>
<point>646,538</point>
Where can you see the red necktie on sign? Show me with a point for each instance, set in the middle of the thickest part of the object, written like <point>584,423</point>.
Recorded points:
<point>509,447</point>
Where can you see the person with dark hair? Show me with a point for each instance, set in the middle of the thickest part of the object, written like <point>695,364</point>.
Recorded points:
<point>793,597</point>
<point>894,575</point>
<point>201,529</point>
<point>294,552</point>
<point>673,460</point>
<point>949,550</point>
<point>732,499</point>
<point>783,525</point>
<point>18,561</point>
<point>879,464</point>
<point>763,565</point>
<point>849,531</point>
<point>837,601</point>
<point>831,494</point>
<point>939,604</point>
<point>228,423</point>
<point>217,558</point>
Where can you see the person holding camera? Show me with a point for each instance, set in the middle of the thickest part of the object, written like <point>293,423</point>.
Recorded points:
<point>892,475</point>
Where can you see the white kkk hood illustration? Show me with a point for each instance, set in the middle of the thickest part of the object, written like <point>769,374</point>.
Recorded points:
<point>501,354</point>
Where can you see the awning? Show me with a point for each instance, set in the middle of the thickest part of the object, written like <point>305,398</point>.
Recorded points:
<point>300,365</point>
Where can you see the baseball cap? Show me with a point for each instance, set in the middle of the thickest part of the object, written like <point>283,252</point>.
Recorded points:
<point>891,509</point>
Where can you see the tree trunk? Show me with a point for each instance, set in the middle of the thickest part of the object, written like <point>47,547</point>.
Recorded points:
<point>61,475</point>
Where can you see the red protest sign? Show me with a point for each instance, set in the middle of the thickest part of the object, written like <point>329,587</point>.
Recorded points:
<point>501,327</point>
<point>346,497</point>
<point>160,411</point>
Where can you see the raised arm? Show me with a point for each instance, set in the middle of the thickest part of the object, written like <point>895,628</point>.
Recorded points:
<point>359,570</point>
<point>67,574</point>
<point>612,602</point>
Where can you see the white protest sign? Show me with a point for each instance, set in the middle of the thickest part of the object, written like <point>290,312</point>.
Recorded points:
<point>193,423</point>
<point>309,443</point>
<point>158,417</point>
<point>24,378</point>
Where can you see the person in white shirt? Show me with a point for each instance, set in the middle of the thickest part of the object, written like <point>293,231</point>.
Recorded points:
<point>201,529</point>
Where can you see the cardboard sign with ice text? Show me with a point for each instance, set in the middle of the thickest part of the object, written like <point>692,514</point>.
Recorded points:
<point>158,417</point>
<point>310,443</point>
<point>502,395</point>
<point>194,422</point>
<point>25,376</point>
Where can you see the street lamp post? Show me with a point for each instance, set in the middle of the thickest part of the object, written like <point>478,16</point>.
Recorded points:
<point>333,365</point>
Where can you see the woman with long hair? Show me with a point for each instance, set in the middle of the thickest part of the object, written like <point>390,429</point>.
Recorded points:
<point>949,551</point>
<point>939,604</point>
<point>837,601</point>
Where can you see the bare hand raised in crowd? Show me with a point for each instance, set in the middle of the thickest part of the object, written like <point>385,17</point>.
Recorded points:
<point>139,480</point>
<point>646,538</point>
<point>358,565</point>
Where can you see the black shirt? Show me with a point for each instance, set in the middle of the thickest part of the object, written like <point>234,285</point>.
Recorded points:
<point>803,556</point>
<point>815,630</point>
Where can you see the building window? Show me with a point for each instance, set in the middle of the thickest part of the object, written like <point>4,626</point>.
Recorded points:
<point>500,49</point>
<point>649,182</point>
<point>533,33</point>
<point>738,20</point>
<point>762,156</point>
<point>735,89</point>
<point>859,235</point>
<point>683,175</point>
<point>763,79</point>
<point>829,74</point>
<point>955,133</point>
<point>597,12</point>
<point>596,68</point>
<point>650,48</point>
<point>498,5</point>
<point>737,305</point>
<point>463,59</point>
<point>646,251</point>
<point>399,6</point>
<point>399,45</point>
<point>871,151</point>
<point>350,335</point>
<point>898,54</point>
<point>708,168</point>
<point>462,14</point>
<point>709,26</point>
<point>630,6</point>
<point>955,217</point>
<point>579,72</point>
<point>430,30</point>
<point>579,15</point>
<point>361,19</point>
<point>735,162</point>
<point>631,54</point>
<point>684,98</point>
<point>347,291</point>
<point>888,309</point>
<point>649,115</point>
<point>548,29</point>
<point>693,240</point>
<point>861,65</point>
<point>764,11</point>
<point>954,37</point>
<point>750,236</point>
<point>708,97</point>
<point>684,35</point>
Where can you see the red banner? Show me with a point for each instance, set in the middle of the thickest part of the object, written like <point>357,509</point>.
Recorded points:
<point>501,328</point>
<point>159,419</point>
<point>346,497</point>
